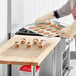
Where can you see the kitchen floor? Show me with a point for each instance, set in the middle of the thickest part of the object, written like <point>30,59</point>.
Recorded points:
<point>73,68</point>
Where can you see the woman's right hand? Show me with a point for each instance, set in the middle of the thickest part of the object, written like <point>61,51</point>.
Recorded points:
<point>45,17</point>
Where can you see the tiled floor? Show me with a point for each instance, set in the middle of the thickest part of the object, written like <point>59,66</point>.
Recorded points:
<point>73,68</point>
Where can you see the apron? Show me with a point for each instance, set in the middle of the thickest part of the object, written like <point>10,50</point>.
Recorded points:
<point>74,16</point>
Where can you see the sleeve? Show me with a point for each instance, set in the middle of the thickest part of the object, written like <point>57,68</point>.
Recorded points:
<point>63,11</point>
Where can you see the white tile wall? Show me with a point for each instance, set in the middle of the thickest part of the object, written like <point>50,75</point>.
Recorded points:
<point>17,14</point>
<point>3,26</point>
<point>3,21</point>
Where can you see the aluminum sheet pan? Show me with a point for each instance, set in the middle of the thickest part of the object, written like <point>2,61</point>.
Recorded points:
<point>53,34</point>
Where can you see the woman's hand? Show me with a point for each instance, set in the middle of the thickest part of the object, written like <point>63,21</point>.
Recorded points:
<point>65,33</point>
<point>69,31</point>
<point>45,17</point>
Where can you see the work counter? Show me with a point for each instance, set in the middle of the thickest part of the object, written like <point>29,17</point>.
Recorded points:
<point>29,56</point>
<point>32,56</point>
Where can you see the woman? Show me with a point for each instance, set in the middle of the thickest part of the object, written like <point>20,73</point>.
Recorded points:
<point>68,8</point>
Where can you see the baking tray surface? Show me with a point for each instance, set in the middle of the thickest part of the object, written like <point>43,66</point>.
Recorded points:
<point>48,29</point>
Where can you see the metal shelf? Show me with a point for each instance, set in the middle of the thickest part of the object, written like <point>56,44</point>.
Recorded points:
<point>66,72</point>
<point>65,59</point>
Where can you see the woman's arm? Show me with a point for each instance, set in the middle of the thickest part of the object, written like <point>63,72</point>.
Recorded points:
<point>64,10</point>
